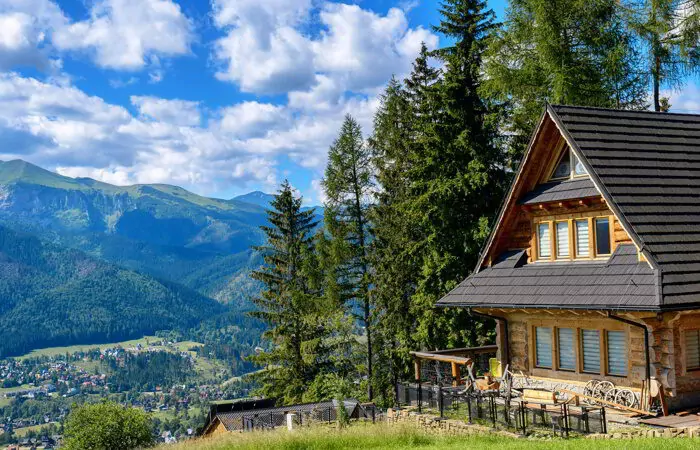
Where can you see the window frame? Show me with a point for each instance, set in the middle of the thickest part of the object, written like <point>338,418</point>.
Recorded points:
<point>684,343</point>
<point>578,373</point>
<point>572,219</point>
<point>566,150</point>
<point>552,364</point>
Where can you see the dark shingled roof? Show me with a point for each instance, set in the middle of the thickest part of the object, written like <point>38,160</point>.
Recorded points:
<point>275,416</point>
<point>561,190</point>
<point>622,282</point>
<point>647,166</point>
<point>649,163</point>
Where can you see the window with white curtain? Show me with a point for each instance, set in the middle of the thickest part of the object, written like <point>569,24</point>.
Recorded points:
<point>544,241</point>
<point>582,238</point>
<point>562,239</point>
<point>543,347</point>
<point>617,353</point>
<point>692,349</point>
<point>590,347</point>
<point>567,352</point>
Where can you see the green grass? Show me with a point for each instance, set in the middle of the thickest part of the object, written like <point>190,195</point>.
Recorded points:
<point>4,391</point>
<point>21,432</point>
<point>397,437</point>
<point>55,351</point>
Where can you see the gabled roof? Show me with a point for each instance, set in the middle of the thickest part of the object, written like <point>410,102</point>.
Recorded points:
<point>647,167</point>
<point>620,283</point>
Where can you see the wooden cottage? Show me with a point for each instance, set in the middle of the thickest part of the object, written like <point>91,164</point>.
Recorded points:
<point>593,266</point>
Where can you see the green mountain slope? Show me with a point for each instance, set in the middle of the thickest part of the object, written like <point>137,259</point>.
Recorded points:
<point>162,230</point>
<point>53,296</point>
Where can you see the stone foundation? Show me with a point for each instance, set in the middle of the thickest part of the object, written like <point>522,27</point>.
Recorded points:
<point>435,425</point>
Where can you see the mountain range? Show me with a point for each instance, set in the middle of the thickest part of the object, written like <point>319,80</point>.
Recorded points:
<point>172,244</point>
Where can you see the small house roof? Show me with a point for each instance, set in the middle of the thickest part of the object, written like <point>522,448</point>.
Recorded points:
<point>646,165</point>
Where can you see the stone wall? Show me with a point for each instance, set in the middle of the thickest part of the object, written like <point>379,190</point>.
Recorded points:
<point>435,425</point>
<point>687,432</point>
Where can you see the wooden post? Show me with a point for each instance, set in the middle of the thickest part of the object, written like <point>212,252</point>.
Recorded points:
<point>416,367</point>
<point>456,378</point>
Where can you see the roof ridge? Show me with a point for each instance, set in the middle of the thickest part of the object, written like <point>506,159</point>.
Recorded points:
<point>645,111</point>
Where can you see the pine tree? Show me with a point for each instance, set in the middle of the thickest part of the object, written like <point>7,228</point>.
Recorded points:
<point>670,32</point>
<point>348,185</point>
<point>576,52</point>
<point>456,176</point>
<point>395,268</point>
<point>290,304</point>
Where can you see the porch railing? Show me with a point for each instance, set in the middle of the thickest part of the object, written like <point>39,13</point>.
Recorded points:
<point>489,408</point>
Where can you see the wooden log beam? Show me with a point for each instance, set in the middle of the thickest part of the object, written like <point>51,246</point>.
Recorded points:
<point>440,357</point>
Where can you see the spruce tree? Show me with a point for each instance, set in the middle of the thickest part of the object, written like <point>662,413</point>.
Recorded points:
<point>576,52</point>
<point>669,31</point>
<point>289,303</point>
<point>456,176</point>
<point>395,268</point>
<point>348,185</point>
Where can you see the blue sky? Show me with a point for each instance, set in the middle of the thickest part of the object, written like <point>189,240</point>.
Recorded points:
<point>218,96</point>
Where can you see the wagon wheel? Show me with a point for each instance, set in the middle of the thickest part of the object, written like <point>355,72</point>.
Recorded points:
<point>611,395</point>
<point>625,397</point>
<point>602,388</point>
<point>590,386</point>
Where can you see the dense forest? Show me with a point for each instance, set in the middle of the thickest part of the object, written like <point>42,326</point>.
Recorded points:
<point>55,296</point>
<point>412,201</point>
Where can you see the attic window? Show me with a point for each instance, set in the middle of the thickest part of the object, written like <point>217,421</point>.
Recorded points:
<point>569,166</point>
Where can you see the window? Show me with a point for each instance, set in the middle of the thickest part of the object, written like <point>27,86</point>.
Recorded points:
<point>565,344</point>
<point>590,347</point>
<point>563,169</point>
<point>590,238</point>
<point>692,349</point>
<point>562,239</point>
<point>578,166</point>
<point>617,353</point>
<point>569,166</point>
<point>582,239</point>
<point>602,236</point>
<point>544,249</point>
<point>543,347</point>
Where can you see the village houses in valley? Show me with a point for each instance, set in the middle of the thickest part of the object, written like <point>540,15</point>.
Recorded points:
<point>592,269</point>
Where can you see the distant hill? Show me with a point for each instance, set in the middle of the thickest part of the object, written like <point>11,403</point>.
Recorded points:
<point>255,198</point>
<point>163,230</point>
<point>53,296</point>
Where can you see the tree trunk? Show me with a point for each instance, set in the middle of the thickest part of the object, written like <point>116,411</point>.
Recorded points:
<point>657,82</point>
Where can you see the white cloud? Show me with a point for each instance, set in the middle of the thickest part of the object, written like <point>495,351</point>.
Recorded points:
<point>268,48</point>
<point>177,112</point>
<point>263,51</point>
<point>253,119</point>
<point>686,100</point>
<point>124,33</point>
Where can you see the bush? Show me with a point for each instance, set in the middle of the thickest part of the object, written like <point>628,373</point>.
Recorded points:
<point>107,426</point>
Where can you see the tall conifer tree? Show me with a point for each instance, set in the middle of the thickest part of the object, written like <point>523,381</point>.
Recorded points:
<point>576,52</point>
<point>670,32</point>
<point>456,179</point>
<point>349,186</point>
<point>395,268</point>
<point>289,303</point>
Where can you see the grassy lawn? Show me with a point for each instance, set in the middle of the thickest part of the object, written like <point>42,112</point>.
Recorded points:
<point>21,432</point>
<point>407,437</point>
<point>54,351</point>
<point>4,391</point>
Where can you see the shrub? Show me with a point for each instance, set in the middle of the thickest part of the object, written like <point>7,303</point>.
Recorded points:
<point>107,426</point>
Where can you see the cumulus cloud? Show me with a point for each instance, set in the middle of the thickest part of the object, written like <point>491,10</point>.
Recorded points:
<point>253,119</point>
<point>119,34</point>
<point>263,51</point>
<point>177,112</point>
<point>123,33</point>
<point>268,49</point>
<point>328,59</point>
